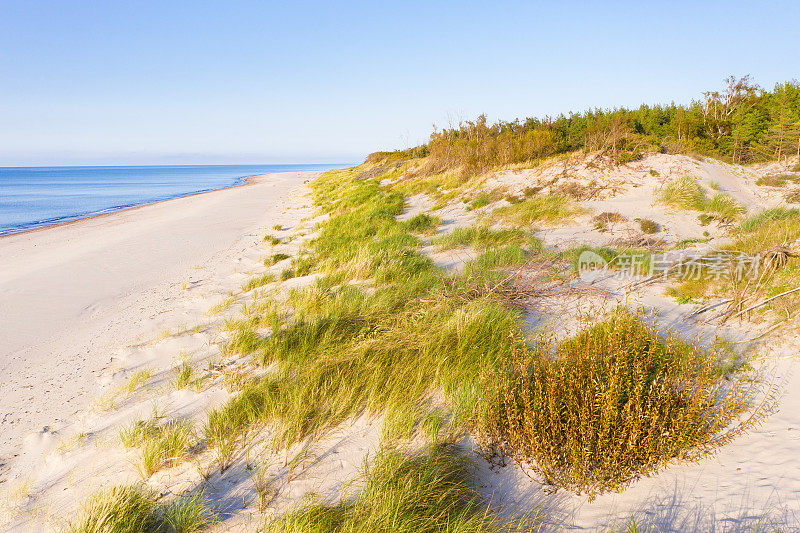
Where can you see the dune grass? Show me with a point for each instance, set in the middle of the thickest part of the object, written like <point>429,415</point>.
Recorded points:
<point>160,444</point>
<point>137,509</point>
<point>275,258</point>
<point>258,281</point>
<point>423,223</point>
<point>430,491</point>
<point>761,264</point>
<point>549,209</point>
<point>686,194</point>
<point>616,401</point>
<point>482,237</point>
<point>438,354</point>
<point>138,380</point>
<point>184,375</point>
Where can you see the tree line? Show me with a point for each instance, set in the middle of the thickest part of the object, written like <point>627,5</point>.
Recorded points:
<point>742,123</point>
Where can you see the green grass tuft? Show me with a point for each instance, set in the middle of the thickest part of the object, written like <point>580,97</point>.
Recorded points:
<point>552,209</point>
<point>427,492</point>
<point>136,509</point>
<point>423,223</point>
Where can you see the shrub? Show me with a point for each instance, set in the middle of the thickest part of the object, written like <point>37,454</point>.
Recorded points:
<point>609,217</point>
<point>273,240</point>
<point>616,401</point>
<point>649,226</point>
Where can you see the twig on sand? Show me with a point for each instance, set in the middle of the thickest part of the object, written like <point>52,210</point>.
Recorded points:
<point>764,302</point>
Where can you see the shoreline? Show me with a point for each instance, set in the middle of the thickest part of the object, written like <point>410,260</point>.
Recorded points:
<point>77,295</point>
<point>245,180</point>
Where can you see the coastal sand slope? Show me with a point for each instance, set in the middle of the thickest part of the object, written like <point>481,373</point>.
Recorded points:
<point>68,293</point>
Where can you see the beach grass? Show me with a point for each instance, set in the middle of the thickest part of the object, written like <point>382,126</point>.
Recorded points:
<point>428,491</point>
<point>548,209</point>
<point>685,193</point>
<point>137,509</point>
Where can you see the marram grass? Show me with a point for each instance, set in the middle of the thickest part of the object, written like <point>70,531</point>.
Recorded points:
<point>427,492</point>
<point>137,509</point>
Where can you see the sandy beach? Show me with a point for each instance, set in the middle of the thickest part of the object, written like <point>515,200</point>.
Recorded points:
<point>70,293</point>
<point>100,315</point>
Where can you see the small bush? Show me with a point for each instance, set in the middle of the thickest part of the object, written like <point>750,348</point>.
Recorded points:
<point>273,240</point>
<point>616,401</point>
<point>287,274</point>
<point>648,226</point>
<point>609,217</point>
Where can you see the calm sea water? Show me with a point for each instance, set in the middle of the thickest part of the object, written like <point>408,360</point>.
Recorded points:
<point>31,197</point>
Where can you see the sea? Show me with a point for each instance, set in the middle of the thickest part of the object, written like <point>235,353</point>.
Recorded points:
<point>33,197</point>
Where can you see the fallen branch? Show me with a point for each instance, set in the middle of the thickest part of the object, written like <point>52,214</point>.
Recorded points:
<point>764,302</point>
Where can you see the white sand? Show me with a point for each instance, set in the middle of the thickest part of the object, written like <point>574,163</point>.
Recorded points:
<point>84,307</point>
<point>70,293</point>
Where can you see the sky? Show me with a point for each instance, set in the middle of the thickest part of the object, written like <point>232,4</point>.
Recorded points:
<point>193,82</point>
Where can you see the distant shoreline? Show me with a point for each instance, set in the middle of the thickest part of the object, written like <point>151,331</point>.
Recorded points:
<point>72,219</point>
<point>247,180</point>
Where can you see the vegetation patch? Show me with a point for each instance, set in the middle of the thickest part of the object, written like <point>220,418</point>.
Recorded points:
<point>137,509</point>
<point>777,180</point>
<point>258,281</point>
<point>649,226</point>
<point>482,237</point>
<point>431,491</point>
<point>686,194</point>
<point>423,223</point>
<point>551,209</point>
<point>592,413</point>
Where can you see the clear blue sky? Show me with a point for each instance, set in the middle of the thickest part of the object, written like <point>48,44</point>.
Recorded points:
<point>128,82</point>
